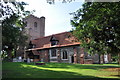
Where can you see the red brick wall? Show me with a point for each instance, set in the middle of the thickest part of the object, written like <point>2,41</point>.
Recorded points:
<point>109,57</point>
<point>102,58</point>
<point>44,54</point>
<point>35,60</point>
<point>81,56</point>
<point>75,55</point>
<point>88,61</point>
<point>59,55</point>
<point>46,57</point>
<point>81,60</point>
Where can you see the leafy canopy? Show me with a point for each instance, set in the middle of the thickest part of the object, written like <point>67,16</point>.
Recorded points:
<point>97,26</point>
<point>12,14</point>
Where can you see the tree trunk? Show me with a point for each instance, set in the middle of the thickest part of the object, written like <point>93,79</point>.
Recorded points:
<point>118,58</point>
<point>9,52</point>
<point>103,59</point>
<point>99,59</point>
<point>109,57</point>
<point>119,63</point>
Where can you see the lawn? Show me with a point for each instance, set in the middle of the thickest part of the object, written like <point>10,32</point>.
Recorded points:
<point>59,70</point>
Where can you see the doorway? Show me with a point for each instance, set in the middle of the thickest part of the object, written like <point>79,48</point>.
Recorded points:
<point>72,59</point>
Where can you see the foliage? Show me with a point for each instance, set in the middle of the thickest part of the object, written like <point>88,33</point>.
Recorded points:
<point>97,26</point>
<point>12,15</point>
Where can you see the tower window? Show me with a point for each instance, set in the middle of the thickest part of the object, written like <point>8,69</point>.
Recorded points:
<point>35,24</point>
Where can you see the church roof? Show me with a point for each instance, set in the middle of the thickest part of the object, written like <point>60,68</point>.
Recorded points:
<point>64,39</point>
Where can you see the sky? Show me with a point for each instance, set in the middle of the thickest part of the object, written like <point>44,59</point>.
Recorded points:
<point>57,15</point>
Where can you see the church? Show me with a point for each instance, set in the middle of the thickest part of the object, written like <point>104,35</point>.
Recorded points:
<point>62,47</point>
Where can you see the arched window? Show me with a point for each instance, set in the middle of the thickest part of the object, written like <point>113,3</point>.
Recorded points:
<point>35,26</point>
<point>64,54</point>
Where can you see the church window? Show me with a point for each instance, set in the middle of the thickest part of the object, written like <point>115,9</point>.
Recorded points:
<point>53,53</point>
<point>64,54</point>
<point>35,26</point>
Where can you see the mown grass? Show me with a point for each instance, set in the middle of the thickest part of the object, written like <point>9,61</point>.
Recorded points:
<point>58,70</point>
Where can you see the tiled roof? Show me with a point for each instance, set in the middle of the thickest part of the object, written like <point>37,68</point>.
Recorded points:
<point>65,39</point>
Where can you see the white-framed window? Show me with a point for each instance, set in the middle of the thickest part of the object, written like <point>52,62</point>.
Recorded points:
<point>64,55</point>
<point>53,53</point>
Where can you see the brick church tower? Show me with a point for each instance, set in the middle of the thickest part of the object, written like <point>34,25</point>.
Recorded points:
<point>35,27</point>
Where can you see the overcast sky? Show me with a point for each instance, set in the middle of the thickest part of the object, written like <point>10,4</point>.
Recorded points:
<point>57,15</point>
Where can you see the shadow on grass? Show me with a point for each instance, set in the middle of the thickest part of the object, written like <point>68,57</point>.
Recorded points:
<point>37,73</point>
<point>78,66</point>
<point>15,70</point>
<point>30,72</point>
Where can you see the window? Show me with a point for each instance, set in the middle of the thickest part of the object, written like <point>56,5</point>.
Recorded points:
<point>53,53</point>
<point>35,26</point>
<point>64,54</point>
<point>54,43</point>
<point>68,36</point>
<point>34,45</point>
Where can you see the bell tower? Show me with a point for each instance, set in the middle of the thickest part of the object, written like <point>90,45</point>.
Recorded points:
<point>35,27</point>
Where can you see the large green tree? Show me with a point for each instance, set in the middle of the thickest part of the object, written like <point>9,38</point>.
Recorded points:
<point>12,15</point>
<point>97,26</point>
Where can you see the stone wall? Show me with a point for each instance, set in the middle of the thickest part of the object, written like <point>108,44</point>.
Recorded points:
<point>31,30</point>
<point>88,61</point>
<point>75,52</point>
<point>44,56</point>
<point>72,52</point>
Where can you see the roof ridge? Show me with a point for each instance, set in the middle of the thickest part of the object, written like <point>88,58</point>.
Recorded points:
<point>51,35</point>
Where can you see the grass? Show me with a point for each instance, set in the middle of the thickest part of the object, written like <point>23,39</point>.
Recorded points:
<point>58,70</point>
<point>40,62</point>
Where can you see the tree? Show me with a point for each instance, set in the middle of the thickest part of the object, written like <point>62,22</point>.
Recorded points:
<point>97,26</point>
<point>13,25</point>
